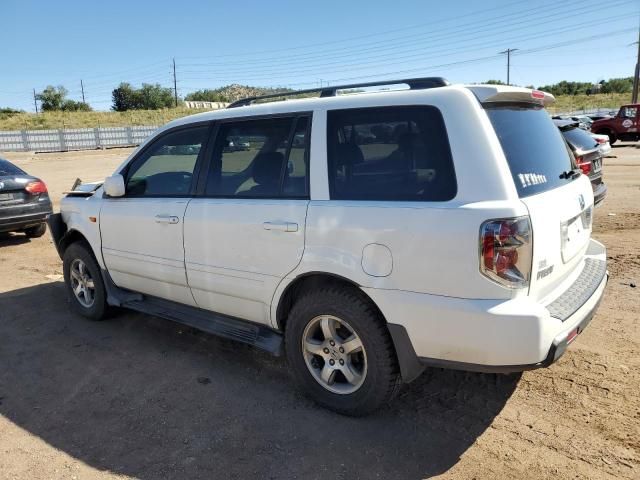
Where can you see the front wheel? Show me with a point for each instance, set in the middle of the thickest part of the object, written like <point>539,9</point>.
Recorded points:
<point>83,282</point>
<point>340,351</point>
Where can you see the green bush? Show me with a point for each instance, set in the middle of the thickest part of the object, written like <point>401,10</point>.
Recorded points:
<point>149,97</point>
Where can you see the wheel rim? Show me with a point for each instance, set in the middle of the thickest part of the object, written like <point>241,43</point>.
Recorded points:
<point>82,283</point>
<point>334,354</point>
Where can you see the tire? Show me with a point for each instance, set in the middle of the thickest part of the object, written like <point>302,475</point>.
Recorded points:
<point>79,259</point>
<point>37,231</point>
<point>352,317</point>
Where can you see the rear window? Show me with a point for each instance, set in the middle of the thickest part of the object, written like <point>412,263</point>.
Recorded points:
<point>579,139</point>
<point>7,168</point>
<point>389,154</point>
<point>535,150</point>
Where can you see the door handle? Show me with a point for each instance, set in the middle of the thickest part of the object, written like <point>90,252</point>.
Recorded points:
<point>280,226</point>
<point>171,219</point>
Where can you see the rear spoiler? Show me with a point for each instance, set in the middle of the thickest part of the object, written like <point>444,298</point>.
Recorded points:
<point>507,94</point>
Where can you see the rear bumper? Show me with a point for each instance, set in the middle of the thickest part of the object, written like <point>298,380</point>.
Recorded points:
<point>490,335</point>
<point>21,217</point>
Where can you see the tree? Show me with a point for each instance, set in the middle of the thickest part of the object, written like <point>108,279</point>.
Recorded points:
<point>52,98</point>
<point>617,85</point>
<point>55,98</point>
<point>494,82</point>
<point>125,97</point>
<point>149,97</point>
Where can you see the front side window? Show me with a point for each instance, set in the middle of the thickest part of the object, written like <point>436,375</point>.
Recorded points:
<point>166,167</point>
<point>389,153</point>
<point>264,158</point>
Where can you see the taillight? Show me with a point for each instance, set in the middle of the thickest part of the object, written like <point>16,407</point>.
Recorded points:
<point>506,250</point>
<point>35,188</point>
<point>584,166</point>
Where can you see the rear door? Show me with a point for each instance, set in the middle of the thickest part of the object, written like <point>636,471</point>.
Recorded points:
<point>560,203</point>
<point>247,230</point>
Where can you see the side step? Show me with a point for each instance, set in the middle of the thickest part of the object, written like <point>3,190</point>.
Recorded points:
<point>228,327</point>
<point>232,328</point>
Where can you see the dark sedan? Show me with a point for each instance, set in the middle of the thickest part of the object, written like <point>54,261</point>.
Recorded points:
<point>587,154</point>
<point>24,201</point>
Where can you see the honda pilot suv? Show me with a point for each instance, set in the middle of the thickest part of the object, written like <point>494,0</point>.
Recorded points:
<point>367,235</point>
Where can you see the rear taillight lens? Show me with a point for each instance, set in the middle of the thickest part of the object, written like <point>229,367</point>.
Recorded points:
<point>584,166</point>
<point>601,141</point>
<point>36,188</point>
<point>506,250</point>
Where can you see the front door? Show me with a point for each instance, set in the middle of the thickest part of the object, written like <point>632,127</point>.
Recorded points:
<point>142,232</point>
<point>247,232</point>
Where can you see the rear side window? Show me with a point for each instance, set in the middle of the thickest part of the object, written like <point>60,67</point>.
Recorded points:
<point>263,158</point>
<point>579,139</point>
<point>389,153</point>
<point>535,150</point>
<point>7,168</point>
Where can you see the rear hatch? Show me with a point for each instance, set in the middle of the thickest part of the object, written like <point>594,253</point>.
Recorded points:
<point>558,197</point>
<point>586,150</point>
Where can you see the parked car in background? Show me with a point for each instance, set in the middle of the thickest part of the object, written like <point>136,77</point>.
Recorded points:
<point>583,121</point>
<point>24,201</point>
<point>603,142</point>
<point>587,154</point>
<point>441,225</point>
<point>624,126</point>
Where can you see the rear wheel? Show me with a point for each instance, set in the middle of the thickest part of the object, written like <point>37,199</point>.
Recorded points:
<point>83,281</point>
<point>37,231</point>
<point>340,351</point>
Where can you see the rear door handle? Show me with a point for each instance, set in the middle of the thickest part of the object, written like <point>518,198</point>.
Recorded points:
<point>171,219</point>
<point>280,226</point>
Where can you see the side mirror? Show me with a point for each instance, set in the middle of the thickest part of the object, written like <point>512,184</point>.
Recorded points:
<point>114,185</point>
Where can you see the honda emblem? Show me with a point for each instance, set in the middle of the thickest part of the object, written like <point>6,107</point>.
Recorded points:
<point>581,201</point>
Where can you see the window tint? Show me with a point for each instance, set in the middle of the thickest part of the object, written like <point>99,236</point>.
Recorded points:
<point>166,168</point>
<point>629,112</point>
<point>533,145</point>
<point>389,153</point>
<point>579,138</point>
<point>7,168</point>
<point>263,158</point>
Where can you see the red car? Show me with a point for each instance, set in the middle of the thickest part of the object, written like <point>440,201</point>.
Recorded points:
<point>624,126</point>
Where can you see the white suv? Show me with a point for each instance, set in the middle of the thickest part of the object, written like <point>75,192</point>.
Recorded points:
<point>371,234</point>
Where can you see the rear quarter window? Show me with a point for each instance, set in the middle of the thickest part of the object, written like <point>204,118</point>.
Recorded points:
<point>389,153</point>
<point>536,152</point>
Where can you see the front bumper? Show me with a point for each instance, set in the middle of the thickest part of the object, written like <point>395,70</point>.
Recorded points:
<point>490,335</point>
<point>19,217</point>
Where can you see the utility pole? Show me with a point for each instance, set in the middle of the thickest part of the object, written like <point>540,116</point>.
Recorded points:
<point>82,88</point>
<point>636,77</point>
<point>508,52</point>
<point>175,83</point>
<point>35,100</point>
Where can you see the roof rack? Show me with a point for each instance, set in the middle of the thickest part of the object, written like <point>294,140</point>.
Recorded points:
<point>414,84</point>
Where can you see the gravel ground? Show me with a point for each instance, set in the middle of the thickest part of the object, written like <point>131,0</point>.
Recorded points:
<point>145,398</point>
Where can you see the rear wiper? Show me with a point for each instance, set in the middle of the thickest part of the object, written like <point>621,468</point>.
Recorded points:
<point>574,173</point>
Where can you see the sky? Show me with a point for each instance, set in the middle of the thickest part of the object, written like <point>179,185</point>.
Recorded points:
<point>302,44</point>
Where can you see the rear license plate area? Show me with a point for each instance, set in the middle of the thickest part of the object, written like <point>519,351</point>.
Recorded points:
<point>597,165</point>
<point>6,197</point>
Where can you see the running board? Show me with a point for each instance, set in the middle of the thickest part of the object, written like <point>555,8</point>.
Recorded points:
<point>217,324</point>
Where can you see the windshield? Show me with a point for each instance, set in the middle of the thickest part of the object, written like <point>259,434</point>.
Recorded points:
<point>535,150</point>
<point>579,139</point>
<point>7,168</point>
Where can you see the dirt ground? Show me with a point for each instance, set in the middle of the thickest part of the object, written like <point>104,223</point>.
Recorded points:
<point>145,398</point>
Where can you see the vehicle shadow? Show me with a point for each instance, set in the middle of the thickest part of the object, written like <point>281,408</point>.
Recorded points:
<point>11,239</point>
<point>144,397</point>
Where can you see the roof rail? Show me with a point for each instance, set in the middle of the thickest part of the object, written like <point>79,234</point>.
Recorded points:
<point>414,84</point>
